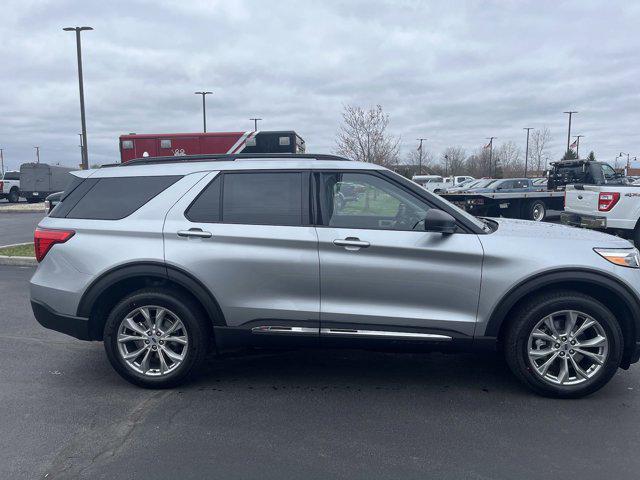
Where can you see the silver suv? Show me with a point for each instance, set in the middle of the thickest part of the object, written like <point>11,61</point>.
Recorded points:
<point>164,260</point>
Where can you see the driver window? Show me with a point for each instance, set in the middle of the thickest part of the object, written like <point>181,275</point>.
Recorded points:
<point>360,200</point>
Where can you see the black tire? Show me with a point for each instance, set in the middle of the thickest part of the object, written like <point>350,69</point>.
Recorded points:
<point>14,195</point>
<point>636,235</point>
<point>191,315</point>
<point>33,199</point>
<point>535,210</point>
<point>517,335</point>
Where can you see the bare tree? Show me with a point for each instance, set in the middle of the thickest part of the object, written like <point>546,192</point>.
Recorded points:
<point>363,136</point>
<point>509,156</point>
<point>538,146</point>
<point>454,160</point>
<point>413,159</point>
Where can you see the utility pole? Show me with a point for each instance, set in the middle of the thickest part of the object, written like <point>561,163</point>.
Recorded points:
<point>526,152</point>
<point>578,137</point>
<point>37,154</point>
<point>85,153</point>
<point>491,153</point>
<point>571,112</point>
<point>204,109</point>
<point>420,155</point>
<point>81,149</point>
<point>1,162</point>
<point>255,123</point>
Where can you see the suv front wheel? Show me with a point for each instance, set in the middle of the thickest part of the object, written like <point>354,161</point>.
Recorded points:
<point>155,338</point>
<point>564,344</point>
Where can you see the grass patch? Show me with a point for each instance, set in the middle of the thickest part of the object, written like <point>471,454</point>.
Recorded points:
<point>18,251</point>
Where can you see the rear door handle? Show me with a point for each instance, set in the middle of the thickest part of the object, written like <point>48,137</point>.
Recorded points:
<point>194,233</point>
<point>351,243</point>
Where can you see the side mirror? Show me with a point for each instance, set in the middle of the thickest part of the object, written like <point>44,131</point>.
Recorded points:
<point>438,221</point>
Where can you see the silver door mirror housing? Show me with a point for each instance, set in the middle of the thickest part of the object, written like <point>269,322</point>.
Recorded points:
<point>438,221</point>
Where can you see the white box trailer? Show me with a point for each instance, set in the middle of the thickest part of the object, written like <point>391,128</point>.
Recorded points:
<point>37,180</point>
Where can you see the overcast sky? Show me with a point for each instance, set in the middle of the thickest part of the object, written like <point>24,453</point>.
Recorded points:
<point>454,72</point>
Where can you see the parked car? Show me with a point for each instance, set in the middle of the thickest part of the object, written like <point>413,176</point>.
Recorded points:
<point>37,180</point>
<point>613,208</point>
<point>52,201</point>
<point>163,259</point>
<point>10,186</point>
<point>506,185</point>
<point>436,183</point>
<point>481,183</point>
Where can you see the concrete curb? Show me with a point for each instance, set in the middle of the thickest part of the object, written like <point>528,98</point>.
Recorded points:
<point>25,210</point>
<point>18,261</point>
<point>16,244</point>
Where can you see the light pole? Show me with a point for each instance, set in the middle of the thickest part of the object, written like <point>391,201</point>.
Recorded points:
<point>255,123</point>
<point>420,155</point>
<point>85,153</point>
<point>491,153</point>
<point>578,137</point>
<point>1,162</point>
<point>204,108</point>
<point>37,154</point>
<point>622,154</point>
<point>526,152</point>
<point>571,112</point>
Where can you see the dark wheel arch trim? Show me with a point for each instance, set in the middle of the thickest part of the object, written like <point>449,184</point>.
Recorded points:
<point>151,269</point>
<point>580,276</point>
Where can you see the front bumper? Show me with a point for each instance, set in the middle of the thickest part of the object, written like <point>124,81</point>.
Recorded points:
<point>77,327</point>
<point>585,221</point>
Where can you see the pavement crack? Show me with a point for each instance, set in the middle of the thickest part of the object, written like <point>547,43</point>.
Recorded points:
<point>97,445</point>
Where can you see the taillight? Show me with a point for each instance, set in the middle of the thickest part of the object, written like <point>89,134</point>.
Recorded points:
<point>1,186</point>
<point>44,239</point>
<point>607,200</point>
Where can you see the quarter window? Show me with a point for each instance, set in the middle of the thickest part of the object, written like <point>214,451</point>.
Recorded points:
<point>116,197</point>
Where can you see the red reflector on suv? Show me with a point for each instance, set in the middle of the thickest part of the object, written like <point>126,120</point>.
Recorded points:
<point>607,200</point>
<point>44,239</point>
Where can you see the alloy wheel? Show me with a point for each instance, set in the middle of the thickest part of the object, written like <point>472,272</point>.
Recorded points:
<point>152,340</point>
<point>567,347</point>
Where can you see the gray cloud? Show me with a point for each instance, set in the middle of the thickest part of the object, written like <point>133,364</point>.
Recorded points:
<point>451,71</point>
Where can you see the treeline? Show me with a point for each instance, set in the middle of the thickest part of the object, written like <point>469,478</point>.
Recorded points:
<point>363,136</point>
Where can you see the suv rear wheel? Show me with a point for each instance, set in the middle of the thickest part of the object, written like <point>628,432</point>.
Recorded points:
<point>155,338</point>
<point>564,344</point>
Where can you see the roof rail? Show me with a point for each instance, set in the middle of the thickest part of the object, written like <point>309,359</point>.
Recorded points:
<point>231,158</point>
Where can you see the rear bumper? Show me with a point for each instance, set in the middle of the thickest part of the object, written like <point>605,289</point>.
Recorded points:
<point>585,221</point>
<point>77,327</point>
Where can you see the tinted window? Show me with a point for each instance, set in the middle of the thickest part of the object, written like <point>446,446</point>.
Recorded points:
<point>206,207</point>
<point>358,200</point>
<point>117,197</point>
<point>12,176</point>
<point>262,198</point>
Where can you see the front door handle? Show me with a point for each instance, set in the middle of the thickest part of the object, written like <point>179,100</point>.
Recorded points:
<point>351,243</point>
<point>194,233</point>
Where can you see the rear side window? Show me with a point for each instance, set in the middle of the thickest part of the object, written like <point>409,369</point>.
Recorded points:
<point>12,176</point>
<point>206,208</point>
<point>262,198</point>
<point>111,198</point>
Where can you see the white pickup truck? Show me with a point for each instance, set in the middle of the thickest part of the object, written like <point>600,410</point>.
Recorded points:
<point>437,183</point>
<point>10,186</point>
<point>614,208</point>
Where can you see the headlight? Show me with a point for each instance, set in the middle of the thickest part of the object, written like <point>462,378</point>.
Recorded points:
<point>625,257</point>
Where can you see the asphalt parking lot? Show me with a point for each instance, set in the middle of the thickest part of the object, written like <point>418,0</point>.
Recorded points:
<point>18,227</point>
<point>297,414</point>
